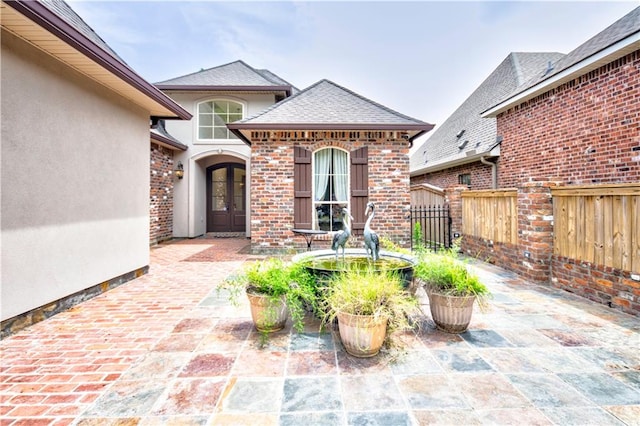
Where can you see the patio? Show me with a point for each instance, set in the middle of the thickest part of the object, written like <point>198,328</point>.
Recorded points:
<point>166,349</point>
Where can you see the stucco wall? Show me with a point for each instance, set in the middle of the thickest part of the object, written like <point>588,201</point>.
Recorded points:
<point>189,214</point>
<point>75,181</point>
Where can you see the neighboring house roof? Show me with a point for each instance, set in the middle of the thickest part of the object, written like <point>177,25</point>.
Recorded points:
<point>465,136</point>
<point>236,77</point>
<point>615,41</point>
<point>328,106</point>
<point>160,135</point>
<point>53,27</point>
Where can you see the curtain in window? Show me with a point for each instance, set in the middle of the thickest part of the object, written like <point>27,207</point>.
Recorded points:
<point>322,164</point>
<point>340,174</point>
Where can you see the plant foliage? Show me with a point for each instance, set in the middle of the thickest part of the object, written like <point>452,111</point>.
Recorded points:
<point>370,292</point>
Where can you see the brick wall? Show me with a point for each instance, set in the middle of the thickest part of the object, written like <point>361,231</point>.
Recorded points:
<point>272,174</point>
<point>583,132</point>
<point>161,194</point>
<point>480,176</point>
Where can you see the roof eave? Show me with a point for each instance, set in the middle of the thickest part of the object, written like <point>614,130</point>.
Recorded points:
<point>48,20</point>
<point>168,143</point>
<point>447,164</point>
<point>603,57</point>
<point>206,88</point>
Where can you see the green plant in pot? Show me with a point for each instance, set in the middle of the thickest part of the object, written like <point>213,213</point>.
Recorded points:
<point>452,289</point>
<point>275,289</point>
<point>369,306</point>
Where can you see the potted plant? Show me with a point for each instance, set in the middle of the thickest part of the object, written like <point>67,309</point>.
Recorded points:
<point>275,289</point>
<point>368,305</point>
<point>452,289</point>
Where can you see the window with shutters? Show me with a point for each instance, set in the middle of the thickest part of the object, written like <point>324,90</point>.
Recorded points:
<point>330,188</point>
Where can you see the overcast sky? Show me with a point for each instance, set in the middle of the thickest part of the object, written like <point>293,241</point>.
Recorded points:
<point>420,58</point>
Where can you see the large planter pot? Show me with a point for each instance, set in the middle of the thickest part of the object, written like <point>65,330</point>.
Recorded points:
<point>451,314</point>
<point>268,314</point>
<point>362,335</point>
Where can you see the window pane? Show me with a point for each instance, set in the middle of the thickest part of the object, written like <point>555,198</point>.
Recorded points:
<point>234,117</point>
<point>205,133</point>
<point>219,121</point>
<point>206,107</point>
<point>221,107</point>
<point>235,108</point>
<point>206,119</point>
<point>220,133</point>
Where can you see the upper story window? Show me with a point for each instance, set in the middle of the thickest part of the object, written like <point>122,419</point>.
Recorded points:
<point>213,117</point>
<point>330,187</point>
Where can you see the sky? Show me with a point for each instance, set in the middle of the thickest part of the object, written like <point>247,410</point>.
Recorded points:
<point>420,58</point>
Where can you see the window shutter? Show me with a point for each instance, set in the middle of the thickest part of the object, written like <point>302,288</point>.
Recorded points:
<point>302,188</point>
<point>359,188</point>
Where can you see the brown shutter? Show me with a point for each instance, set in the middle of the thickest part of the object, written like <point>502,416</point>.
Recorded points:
<point>359,187</point>
<point>302,188</point>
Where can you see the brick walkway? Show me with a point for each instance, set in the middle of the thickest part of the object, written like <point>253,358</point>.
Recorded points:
<point>166,349</point>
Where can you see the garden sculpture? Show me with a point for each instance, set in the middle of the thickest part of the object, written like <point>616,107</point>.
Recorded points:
<point>371,240</point>
<point>341,237</point>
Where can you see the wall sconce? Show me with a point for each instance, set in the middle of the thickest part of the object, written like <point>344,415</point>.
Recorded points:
<point>179,171</point>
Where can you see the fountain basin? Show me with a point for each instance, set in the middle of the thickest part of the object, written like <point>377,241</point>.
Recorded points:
<point>323,263</point>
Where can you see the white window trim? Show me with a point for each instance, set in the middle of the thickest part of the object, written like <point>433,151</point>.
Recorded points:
<point>196,129</point>
<point>313,186</point>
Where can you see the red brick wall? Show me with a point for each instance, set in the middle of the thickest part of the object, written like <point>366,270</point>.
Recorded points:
<point>272,185</point>
<point>161,194</point>
<point>480,176</point>
<point>583,132</point>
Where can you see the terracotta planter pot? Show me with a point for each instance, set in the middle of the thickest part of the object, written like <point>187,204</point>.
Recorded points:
<point>268,315</point>
<point>451,314</point>
<point>362,335</point>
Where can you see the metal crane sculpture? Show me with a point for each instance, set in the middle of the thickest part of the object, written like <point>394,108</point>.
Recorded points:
<point>340,238</point>
<point>371,240</point>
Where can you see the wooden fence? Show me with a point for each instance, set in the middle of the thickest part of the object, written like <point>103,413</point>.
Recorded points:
<point>423,194</point>
<point>491,214</point>
<point>598,224</point>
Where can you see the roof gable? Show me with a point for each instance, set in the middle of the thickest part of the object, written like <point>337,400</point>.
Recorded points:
<point>328,106</point>
<point>465,134</point>
<point>604,47</point>
<point>236,75</point>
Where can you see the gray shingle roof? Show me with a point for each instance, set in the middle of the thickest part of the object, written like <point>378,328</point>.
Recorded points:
<point>326,103</point>
<point>442,147</point>
<point>64,11</point>
<point>619,30</point>
<point>232,74</point>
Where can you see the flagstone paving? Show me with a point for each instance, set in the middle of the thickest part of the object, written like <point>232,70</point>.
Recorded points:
<point>167,348</point>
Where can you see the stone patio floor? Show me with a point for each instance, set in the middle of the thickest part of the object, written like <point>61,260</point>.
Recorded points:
<point>167,349</point>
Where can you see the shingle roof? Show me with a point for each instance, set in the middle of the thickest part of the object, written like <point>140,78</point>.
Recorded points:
<point>159,134</point>
<point>442,147</point>
<point>326,103</point>
<point>64,11</point>
<point>234,74</point>
<point>623,28</point>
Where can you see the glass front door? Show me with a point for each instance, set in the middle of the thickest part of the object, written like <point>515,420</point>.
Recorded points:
<point>226,190</point>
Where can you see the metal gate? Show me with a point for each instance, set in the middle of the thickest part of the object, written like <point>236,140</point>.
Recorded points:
<point>434,231</point>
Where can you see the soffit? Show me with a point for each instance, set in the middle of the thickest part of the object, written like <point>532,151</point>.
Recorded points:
<point>24,28</point>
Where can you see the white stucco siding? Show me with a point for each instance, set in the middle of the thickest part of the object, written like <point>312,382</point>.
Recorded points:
<point>74,181</point>
<point>189,212</point>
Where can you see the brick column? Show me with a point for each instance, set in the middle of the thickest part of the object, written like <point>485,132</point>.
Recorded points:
<point>453,197</point>
<point>535,228</point>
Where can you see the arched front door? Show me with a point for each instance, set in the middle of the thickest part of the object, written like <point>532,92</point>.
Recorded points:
<point>226,190</point>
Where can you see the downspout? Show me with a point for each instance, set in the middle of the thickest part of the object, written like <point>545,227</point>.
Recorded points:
<point>494,171</point>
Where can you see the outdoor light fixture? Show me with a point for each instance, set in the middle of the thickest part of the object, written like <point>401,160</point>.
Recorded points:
<point>179,171</point>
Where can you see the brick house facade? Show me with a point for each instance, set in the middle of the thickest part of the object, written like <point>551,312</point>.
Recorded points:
<point>578,127</point>
<point>284,140</point>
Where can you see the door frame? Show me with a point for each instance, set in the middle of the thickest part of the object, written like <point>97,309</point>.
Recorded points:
<point>229,166</point>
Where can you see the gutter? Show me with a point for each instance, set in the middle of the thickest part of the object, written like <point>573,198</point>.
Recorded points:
<point>57,26</point>
<point>494,171</point>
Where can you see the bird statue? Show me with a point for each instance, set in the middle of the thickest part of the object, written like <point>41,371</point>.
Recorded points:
<point>340,238</point>
<point>371,240</point>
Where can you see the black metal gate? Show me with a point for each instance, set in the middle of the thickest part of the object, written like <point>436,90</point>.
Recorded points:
<point>431,227</point>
